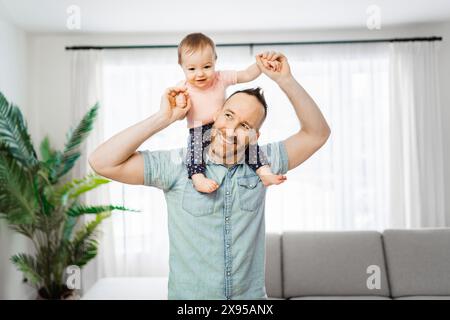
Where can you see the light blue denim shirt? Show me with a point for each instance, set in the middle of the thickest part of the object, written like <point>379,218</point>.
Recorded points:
<point>217,240</point>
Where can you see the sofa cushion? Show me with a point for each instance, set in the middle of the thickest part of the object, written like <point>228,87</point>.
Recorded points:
<point>273,265</point>
<point>418,261</point>
<point>341,298</point>
<point>332,263</point>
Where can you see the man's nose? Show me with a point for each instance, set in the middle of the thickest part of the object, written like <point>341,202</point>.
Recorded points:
<point>230,131</point>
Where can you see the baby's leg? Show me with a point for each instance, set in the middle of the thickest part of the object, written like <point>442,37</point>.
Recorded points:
<point>257,160</point>
<point>195,162</point>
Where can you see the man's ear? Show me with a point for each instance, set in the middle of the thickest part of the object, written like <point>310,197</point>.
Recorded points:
<point>255,137</point>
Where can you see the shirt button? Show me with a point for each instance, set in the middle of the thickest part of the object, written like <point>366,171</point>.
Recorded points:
<point>228,192</point>
<point>227,218</point>
<point>228,245</point>
<point>228,273</point>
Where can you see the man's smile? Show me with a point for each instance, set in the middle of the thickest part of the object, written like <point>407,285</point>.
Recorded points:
<point>225,140</point>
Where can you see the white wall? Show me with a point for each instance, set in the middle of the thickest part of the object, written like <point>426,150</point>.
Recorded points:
<point>13,84</point>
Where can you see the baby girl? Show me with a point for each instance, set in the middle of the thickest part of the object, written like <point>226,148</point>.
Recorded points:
<point>205,87</point>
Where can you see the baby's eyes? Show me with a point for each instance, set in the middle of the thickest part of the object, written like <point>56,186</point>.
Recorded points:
<point>192,69</point>
<point>228,115</point>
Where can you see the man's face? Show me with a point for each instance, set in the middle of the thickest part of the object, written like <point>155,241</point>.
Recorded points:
<point>235,126</point>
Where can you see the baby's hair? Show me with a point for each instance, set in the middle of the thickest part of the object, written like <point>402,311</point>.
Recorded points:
<point>193,42</point>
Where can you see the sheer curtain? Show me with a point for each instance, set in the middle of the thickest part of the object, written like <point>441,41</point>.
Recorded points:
<point>343,186</point>
<point>86,90</point>
<point>416,161</point>
<point>381,167</point>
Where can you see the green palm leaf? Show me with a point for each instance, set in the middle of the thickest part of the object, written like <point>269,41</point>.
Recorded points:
<point>18,201</point>
<point>46,151</point>
<point>74,188</point>
<point>84,244</point>
<point>75,138</point>
<point>69,224</point>
<point>14,134</point>
<point>27,265</point>
<point>77,210</point>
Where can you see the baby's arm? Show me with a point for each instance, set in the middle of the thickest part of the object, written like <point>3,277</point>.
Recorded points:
<point>253,72</point>
<point>249,74</point>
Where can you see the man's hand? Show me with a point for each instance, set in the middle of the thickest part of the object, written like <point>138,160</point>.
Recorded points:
<point>278,72</point>
<point>170,109</point>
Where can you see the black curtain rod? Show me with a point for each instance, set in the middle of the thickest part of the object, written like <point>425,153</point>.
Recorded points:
<point>258,44</point>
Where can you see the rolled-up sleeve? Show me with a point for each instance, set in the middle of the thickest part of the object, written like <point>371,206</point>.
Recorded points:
<point>277,156</point>
<point>162,168</point>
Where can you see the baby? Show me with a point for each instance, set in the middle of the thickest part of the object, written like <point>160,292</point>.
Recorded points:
<point>206,91</point>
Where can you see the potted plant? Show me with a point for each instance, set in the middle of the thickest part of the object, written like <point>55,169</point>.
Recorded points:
<point>36,202</point>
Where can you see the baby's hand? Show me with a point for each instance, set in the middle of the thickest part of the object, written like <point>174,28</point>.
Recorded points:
<point>174,93</point>
<point>180,100</point>
<point>179,97</point>
<point>269,60</point>
<point>274,65</point>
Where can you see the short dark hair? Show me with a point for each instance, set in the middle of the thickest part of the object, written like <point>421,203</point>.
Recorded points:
<point>258,93</point>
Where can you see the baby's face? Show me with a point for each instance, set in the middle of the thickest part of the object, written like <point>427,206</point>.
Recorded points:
<point>199,67</point>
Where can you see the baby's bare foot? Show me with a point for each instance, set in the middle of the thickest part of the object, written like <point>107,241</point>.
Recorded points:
<point>270,179</point>
<point>203,184</point>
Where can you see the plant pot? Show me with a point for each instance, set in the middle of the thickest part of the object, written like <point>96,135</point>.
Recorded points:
<point>67,294</point>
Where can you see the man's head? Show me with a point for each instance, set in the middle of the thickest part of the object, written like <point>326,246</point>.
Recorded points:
<point>197,57</point>
<point>237,124</point>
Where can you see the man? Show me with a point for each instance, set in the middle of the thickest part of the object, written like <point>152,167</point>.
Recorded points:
<point>217,240</point>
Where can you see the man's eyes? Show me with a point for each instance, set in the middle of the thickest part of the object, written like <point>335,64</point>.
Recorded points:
<point>191,69</point>
<point>244,125</point>
<point>207,67</point>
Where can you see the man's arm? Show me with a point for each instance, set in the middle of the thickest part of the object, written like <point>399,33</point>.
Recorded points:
<point>314,130</point>
<point>249,74</point>
<point>117,158</point>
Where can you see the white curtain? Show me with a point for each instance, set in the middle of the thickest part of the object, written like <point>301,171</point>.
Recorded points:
<point>381,167</point>
<point>416,145</point>
<point>343,186</point>
<point>86,90</point>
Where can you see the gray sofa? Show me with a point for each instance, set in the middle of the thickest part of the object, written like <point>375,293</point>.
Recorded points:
<point>395,264</point>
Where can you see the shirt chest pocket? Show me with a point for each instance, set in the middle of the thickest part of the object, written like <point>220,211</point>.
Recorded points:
<point>251,192</point>
<point>196,203</point>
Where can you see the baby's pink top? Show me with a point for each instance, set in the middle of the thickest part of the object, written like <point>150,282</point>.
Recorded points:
<point>205,102</point>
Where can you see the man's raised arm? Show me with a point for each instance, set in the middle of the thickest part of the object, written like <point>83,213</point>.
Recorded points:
<point>314,130</point>
<point>117,158</point>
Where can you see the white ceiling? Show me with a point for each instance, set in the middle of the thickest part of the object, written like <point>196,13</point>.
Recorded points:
<point>212,15</point>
